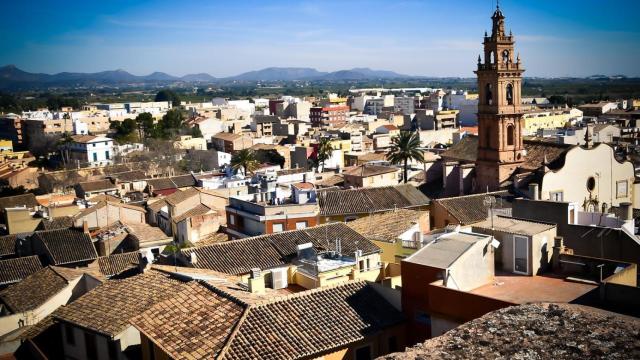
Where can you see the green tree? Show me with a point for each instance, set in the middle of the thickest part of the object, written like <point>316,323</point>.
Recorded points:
<point>168,95</point>
<point>145,124</point>
<point>170,124</point>
<point>245,159</point>
<point>325,149</point>
<point>195,132</point>
<point>405,147</point>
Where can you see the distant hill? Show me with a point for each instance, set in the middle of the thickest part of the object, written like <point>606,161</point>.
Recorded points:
<point>198,77</point>
<point>13,77</point>
<point>278,73</point>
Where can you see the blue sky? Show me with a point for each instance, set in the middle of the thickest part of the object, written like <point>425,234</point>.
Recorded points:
<point>223,38</point>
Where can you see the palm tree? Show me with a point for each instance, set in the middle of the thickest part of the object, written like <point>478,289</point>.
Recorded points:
<point>325,149</point>
<point>244,159</point>
<point>405,147</point>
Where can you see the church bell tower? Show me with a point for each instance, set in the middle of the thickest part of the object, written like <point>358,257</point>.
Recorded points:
<point>500,123</point>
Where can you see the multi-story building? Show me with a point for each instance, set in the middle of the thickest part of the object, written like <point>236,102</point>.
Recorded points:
<point>230,143</point>
<point>89,149</point>
<point>466,103</point>
<point>270,210</point>
<point>535,120</point>
<point>404,105</point>
<point>328,115</point>
<point>11,129</point>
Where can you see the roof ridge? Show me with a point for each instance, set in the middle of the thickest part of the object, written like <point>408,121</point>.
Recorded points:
<point>267,236</point>
<point>473,195</point>
<point>308,292</point>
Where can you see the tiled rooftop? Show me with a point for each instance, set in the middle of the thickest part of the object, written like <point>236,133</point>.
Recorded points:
<point>95,310</point>
<point>67,246</point>
<point>368,200</point>
<point>37,288</point>
<point>14,270</point>
<point>386,226</point>
<point>205,321</point>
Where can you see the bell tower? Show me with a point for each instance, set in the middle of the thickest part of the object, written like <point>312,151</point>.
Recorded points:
<point>500,123</point>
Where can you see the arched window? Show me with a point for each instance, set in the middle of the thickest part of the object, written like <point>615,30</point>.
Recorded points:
<point>488,95</point>
<point>492,58</point>
<point>509,94</point>
<point>505,56</point>
<point>510,135</point>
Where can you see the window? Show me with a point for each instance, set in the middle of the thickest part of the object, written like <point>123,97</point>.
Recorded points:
<point>510,135</point>
<point>591,183</point>
<point>278,227</point>
<point>363,353</point>
<point>622,189</point>
<point>505,56</point>
<point>555,195</point>
<point>509,94</point>
<point>232,219</point>
<point>95,156</point>
<point>488,95</point>
<point>301,225</point>
<point>106,154</point>
<point>361,265</point>
<point>90,344</point>
<point>69,334</point>
<point>94,145</point>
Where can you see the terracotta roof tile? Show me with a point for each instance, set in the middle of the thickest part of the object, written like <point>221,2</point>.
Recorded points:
<point>194,324</point>
<point>180,196</point>
<point>273,250</point>
<point>95,310</point>
<point>370,170</point>
<point>161,184</point>
<point>205,321</point>
<point>37,288</point>
<point>14,270</point>
<point>198,210</point>
<point>98,185</point>
<point>28,200</point>
<point>66,246</point>
<point>8,245</point>
<point>117,263</point>
<point>387,226</point>
<point>469,209</point>
<point>311,323</point>
<point>368,200</point>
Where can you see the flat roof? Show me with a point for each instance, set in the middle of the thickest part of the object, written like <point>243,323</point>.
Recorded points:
<point>445,250</point>
<point>522,289</point>
<point>514,225</point>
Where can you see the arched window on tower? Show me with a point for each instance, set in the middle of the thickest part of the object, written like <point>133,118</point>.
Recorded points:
<point>505,56</point>
<point>510,135</point>
<point>488,95</point>
<point>492,58</point>
<point>509,94</point>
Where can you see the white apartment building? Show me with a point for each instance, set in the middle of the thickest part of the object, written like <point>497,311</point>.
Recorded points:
<point>90,150</point>
<point>466,103</point>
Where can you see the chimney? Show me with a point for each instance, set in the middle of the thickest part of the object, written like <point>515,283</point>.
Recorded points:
<point>558,248</point>
<point>534,193</point>
<point>256,282</point>
<point>85,226</point>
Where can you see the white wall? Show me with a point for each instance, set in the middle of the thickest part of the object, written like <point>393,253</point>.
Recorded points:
<point>581,164</point>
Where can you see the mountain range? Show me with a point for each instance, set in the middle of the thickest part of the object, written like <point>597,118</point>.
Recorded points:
<point>10,76</point>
